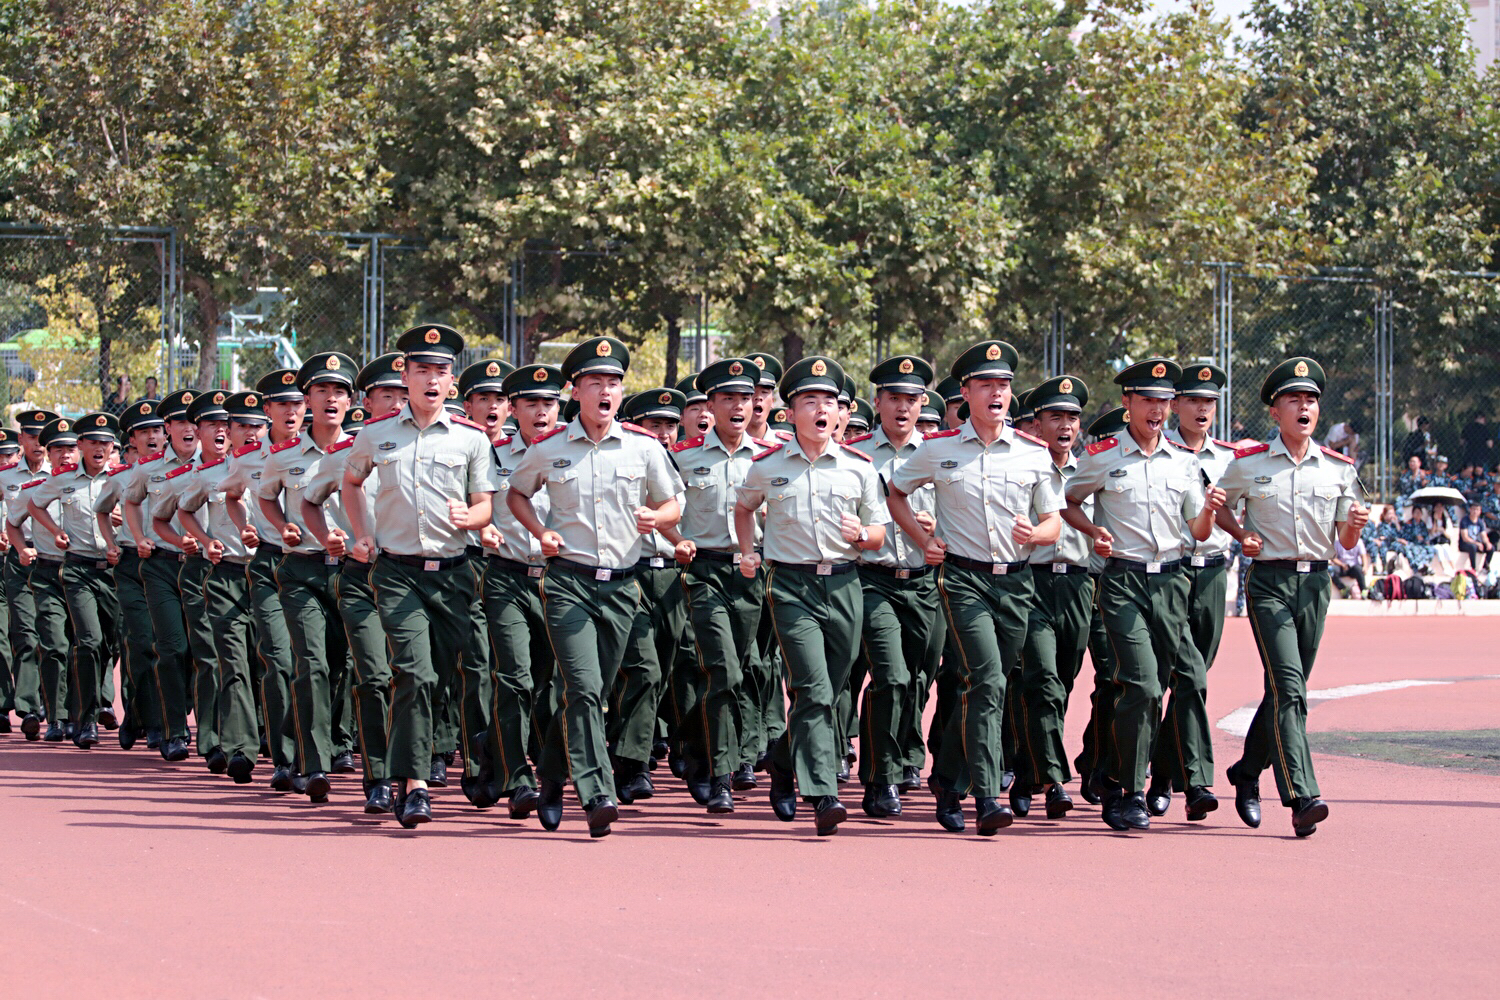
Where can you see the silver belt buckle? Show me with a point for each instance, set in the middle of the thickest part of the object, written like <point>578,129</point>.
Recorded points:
<point>1059,567</point>
<point>1153,567</point>
<point>602,575</point>
<point>535,572</point>
<point>738,557</point>
<point>903,574</point>
<point>825,569</point>
<point>1304,566</point>
<point>1200,561</point>
<point>999,569</point>
<point>330,560</point>
<point>657,562</point>
<point>430,566</point>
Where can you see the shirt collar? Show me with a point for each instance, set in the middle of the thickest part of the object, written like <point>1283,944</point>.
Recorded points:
<point>1314,453</point>
<point>794,447</point>
<point>712,440</point>
<point>1128,444</point>
<point>576,431</point>
<point>882,438</point>
<point>407,416</point>
<point>967,432</point>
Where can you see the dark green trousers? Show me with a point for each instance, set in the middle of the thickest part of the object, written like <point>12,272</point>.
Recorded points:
<point>94,612</point>
<point>524,698</point>
<point>1057,635</point>
<point>174,661</point>
<point>817,621</point>
<point>725,608</point>
<point>205,677</point>
<point>320,655</point>
<point>425,614</point>
<point>763,706</point>
<point>475,686</point>
<point>138,643</point>
<point>273,647</point>
<point>7,662</point>
<point>945,691</point>
<point>226,602</point>
<point>1184,747</point>
<point>987,615</point>
<point>1287,610</point>
<point>901,643</point>
<point>370,660</point>
<point>27,697</point>
<point>53,636</point>
<point>649,649</point>
<point>1096,736</point>
<point>1144,614</point>
<point>680,710</point>
<point>588,623</point>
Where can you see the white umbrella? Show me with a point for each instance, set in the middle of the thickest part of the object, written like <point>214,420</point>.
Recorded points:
<point>1437,494</point>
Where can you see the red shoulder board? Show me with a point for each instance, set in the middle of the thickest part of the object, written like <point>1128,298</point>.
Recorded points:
<point>63,470</point>
<point>855,451</point>
<point>1177,444</point>
<point>1254,450</point>
<point>552,433</point>
<point>383,416</point>
<point>785,435</point>
<point>151,458</point>
<point>762,443</point>
<point>348,443</point>
<point>636,427</point>
<point>246,449</point>
<point>857,440</point>
<point>689,443</point>
<point>943,434</point>
<point>469,423</point>
<point>119,469</point>
<point>288,443</point>
<point>34,482</point>
<point>210,465</point>
<point>1104,445</point>
<point>185,467</point>
<point>9,465</point>
<point>504,441</point>
<point>1222,444</point>
<point>769,451</point>
<point>1333,454</point>
<point>1033,440</point>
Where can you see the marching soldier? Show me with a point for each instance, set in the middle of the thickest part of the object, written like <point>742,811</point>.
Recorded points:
<point>226,589</point>
<point>436,480</point>
<point>764,402</point>
<point>1184,756</point>
<point>1147,486</point>
<point>610,486</point>
<point>930,420</point>
<point>1299,498</point>
<point>997,492</point>
<point>10,452</point>
<point>25,659</point>
<point>823,507</point>
<point>697,415</point>
<point>1090,760</point>
<point>903,633</point>
<point>951,391</point>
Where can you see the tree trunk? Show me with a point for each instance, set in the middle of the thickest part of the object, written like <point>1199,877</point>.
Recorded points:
<point>792,346</point>
<point>932,339</point>
<point>105,345</point>
<point>208,331</point>
<point>674,347</point>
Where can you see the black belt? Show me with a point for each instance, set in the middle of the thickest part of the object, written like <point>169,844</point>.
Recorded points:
<point>426,565</point>
<point>1059,568</point>
<point>655,562</point>
<point>1295,565</point>
<point>473,551</point>
<point>160,553</point>
<point>269,548</point>
<point>1142,567</point>
<point>519,568</point>
<point>321,558</point>
<point>1207,562</point>
<point>47,561</point>
<point>897,572</point>
<point>714,555</point>
<point>77,560</point>
<point>992,568</point>
<point>603,574</point>
<point>818,569</point>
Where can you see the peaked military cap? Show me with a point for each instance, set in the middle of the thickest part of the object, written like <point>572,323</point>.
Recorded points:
<point>9,441</point>
<point>596,356</point>
<point>142,414</point>
<point>816,373</point>
<point>688,386</point>
<point>382,372</point>
<point>780,420</point>
<point>728,375</point>
<point>1293,375</point>
<point>174,406</point>
<point>660,402</point>
<point>59,432</point>
<point>330,366</point>
<point>1062,392</point>
<point>32,421</point>
<point>1021,408</point>
<point>905,373</point>
<point>861,414</point>
<point>97,427</point>
<point>431,343</point>
<point>484,376</point>
<point>208,406</point>
<point>987,359</point>
<point>950,390</point>
<point>244,408</point>
<point>538,381</point>
<point>354,419</point>
<point>770,368</point>
<point>1203,380</point>
<point>279,386</point>
<point>932,409</point>
<point>1154,378</point>
<point>570,410</point>
<point>1108,424</point>
<point>849,390</point>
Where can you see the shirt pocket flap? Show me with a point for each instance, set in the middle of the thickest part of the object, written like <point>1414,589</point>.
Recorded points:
<point>1327,492</point>
<point>450,460</point>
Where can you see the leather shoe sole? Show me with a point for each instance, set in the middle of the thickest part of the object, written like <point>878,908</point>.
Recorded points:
<point>522,801</point>
<point>600,818</point>
<point>107,719</point>
<point>1309,816</point>
<point>829,817</point>
<point>240,768</point>
<point>317,787</point>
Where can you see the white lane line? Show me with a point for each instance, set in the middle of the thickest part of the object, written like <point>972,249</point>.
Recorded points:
<point>1237,723</point>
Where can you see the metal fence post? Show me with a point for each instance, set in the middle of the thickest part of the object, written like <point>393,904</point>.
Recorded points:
<point>1384,392</point>
<point>1223,345</point>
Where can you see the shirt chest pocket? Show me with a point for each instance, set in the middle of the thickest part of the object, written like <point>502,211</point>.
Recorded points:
<point>1264,503</point>
<point>1167,494</point>
<point>703,494</point>
<point>630,485</point>
<point>1017,490</point>
<point>781,508</point>
<point>389,473</point>
<point>562,491</point>
<point>1324,503</point>
<point>952,490</point>
<point>448,473</point>
<point>841,499</point>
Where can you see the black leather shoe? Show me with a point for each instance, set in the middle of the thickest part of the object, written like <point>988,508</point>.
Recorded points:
<point>107,718</point>
<point>523,799</point>
<point>174,750</point>
<point>1133,812</point>
<point>240,768</point>
<point>744,779</point>
<point>55,733</point>
<point>761,759</point>
<point>1158,800</point>
<point>830,812</point>
<point>343,763</point>
<point>1088,789</point>
<point>845,775</point>
<point>911,779</point>
<point>153,739</point>
<point>265,749</point>
<point>881,801</point>
<point>299,784</point>
<point>699,781</point>
<point>677,763</point>
<point>1246,800</point>
<point>281,779</point>
<point>217,761</point>
<point>1059,802</point>
<point>1006,780</point>
<point>601,813</point>
<point>1200,802</point>
<point>4,723</point>
<point>549,806</point>
<point>849,757</point>
<point>449,756</point>
<point>70,729</point>
<point>478,791</point>
<point>437,777</point>
<point>783,793</point>
<point>317,786</point>
<point>1020,800</point>
<point>1306,816</point>
<point>721,799</point>
<point>638,787</point>
<point>31,727</point>
<point>88,736</point>
<point>1114,807</point>
<point>659,752</point>
<point>379,798</point>
<point>950,811</point>
<point>127,736</point>
<point>414,809</point>
<point>992,816</point>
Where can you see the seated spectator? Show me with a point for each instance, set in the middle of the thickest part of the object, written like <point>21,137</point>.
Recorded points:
<point>1343,438</point>
<point>1420,443</point>
<point>1417,531</point>
<point>1474,540</point>
<point>1413,479</point>
<point>1383,540</point>
<point>1348,569</point>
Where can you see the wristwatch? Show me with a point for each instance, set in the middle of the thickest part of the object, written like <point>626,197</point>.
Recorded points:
<point>864,535</point>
